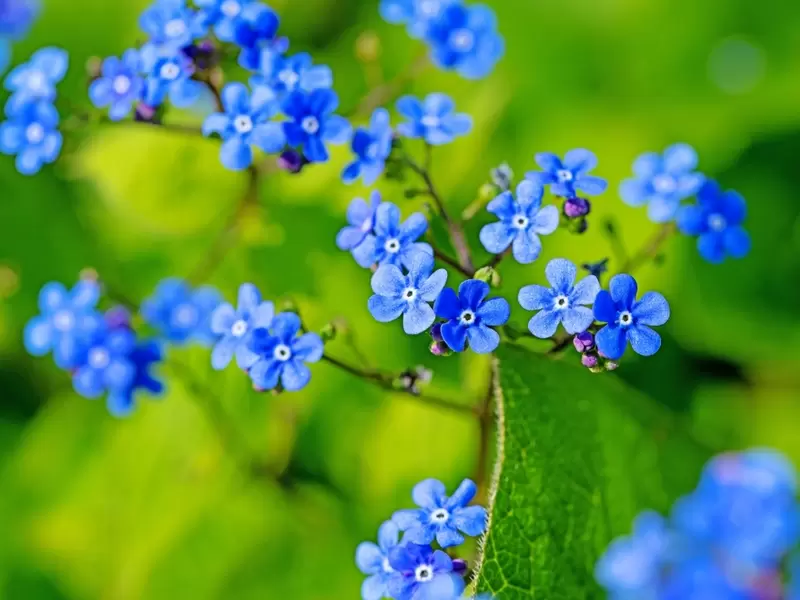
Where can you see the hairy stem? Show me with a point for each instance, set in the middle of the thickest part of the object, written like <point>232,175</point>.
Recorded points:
<point>485,418</point>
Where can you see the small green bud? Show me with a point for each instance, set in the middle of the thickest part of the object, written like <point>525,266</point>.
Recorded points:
<point>489,275</point>
<point>486,194</point>
<point>328,332</point>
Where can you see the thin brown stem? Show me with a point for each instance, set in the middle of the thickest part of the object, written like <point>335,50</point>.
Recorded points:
<point>498,258</point>
<point>649,251</point>
<point>449,260</point>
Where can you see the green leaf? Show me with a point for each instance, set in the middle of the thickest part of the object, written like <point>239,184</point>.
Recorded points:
<point>579,456</point>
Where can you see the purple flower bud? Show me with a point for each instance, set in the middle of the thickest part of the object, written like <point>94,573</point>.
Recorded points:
<point>145,113</point>
<point>118,317</point>
<point>459,566</point>
<point>589,361</point>
<point>436,332</point>
<point>576,207</point>
<point>292,161</point>
<point>583,341</point>
<point>439,349</point>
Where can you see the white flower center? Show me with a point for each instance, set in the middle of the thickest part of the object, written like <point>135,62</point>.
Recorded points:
<point>243,124</point>
<point>664,184</point>
<point>409,294</point>
<point>392,246</point>
<point>467,317</point>
<point>423,573</point>
<point>239,328</point>
<point>387,568</point>
<point>462,40</point>
<point>716,222</point>
<point>36,81</point>
<point>169,71</point>
<point>520,221</point>
<point>230,8</point>
<point>288,78</point>
<point>34,133</point>
<point>185,315</point>
<point>282,352</point>
<point>625,318</point>
<point>310,125</point>
<point>175,28</point>
<point>121,84</point>
<point>99,358</point>
<point>440,516</point>
<point>63,320</point>
<point>429,8</point>
<point>561,302</point>
<point>564,175</point>
<point>430,121</point>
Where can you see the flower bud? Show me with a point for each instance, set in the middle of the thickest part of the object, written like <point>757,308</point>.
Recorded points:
<point>502,177</point>
<point>436,332</point>
<point>579,225</point>
<point>577,207</point>
<point>589,361</point>
<point>368,47</point>
<point>94,67</point>
<point>459,566</point>
<point>118,317</point>
<point>292,161</point>
<point>488,275</point>
<point>145,113</point>
<point>486,194</point>
<point>439,349</point>
<point>583,341</point>
<point>328,332</point>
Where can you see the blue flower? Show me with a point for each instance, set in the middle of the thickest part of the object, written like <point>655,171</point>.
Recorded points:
<point>16,17</point>
<point>373,560</point>
<point>440,517</point>
<point>282,354</point>
<point>564,302</point>
<point>434,120</point>
<point>244,124</point>
<point>372,147</point>
<point>422,573</point>
<point>628,320</point>
<point>470,316</point>
<point>662,182</point>
<point>568,177</point>
<point>521,222</point>
<point>393,243</point>
<point>30,133</point>
<point>311,122</point>
<point>66,317</point>
<point>171,23</point>
<point>632,566</point>
<point>236,327</point>
<point>286,74</point>
<point>105,364</point>
<point>120,402</point>
<point>169,73</point>
<point>415,14</point>
<point>224,15</point>
<point>255,30</point>
<point>37,78</point>
<point>408,295</point>
<point>717,221</point>
<point>361,219</point>
<point>119,86</point>
<point>465,39</point>
<point>181,314</point>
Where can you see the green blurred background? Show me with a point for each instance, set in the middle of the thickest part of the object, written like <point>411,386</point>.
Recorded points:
<point>155,506</point>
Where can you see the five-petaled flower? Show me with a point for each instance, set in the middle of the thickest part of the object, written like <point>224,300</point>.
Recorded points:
<point>223,15</point>
<point>170,74</point>
<point>408,295</point>
<point>564,302</point>
<point>105,364</point>
<point>286,74</point>
<point>422,573</point>
<point>245,124</point>
<point>181,314</point>
<point>171,23</point>
<point>522,220</point>
<point>119,85</point>
<point>439,517</point>
<point>120,402</point>
<point>311,123</point>
<point>373,560</point>
<point>30,133</point>
<point>36,79</point>
<point>372,147</point>
<point>662,182</point>
<point>471,317</point>
<point>282,354</point>
<point>361,219</point>
<point>568,177</point>
<point>393,243</point>
<point>628,320</point>
<point>433,119</point>
<point>236,326</point>
<point>717,221</point>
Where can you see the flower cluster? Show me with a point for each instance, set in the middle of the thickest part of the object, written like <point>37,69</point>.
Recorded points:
<point>16,18</point>
<point>729,538</point>
<point>411,569</point>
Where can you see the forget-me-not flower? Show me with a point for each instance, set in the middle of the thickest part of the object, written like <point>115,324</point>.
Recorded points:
<point>255,30</point>
<point>66,317</point>
<point>30,133</point>
<point>716,219</point>
<point>522,221</point>
<point>563,302</point>
<point>310,123</point>
<point>36,79</point>
<point>439,517</point>
<point>282,354</point>
<point>285,74</point>
<point>373,560</point>
<point>105,363</point>
<point>119,85</point>
<point>422,573</point>
<point>393,243</point>
<point>662,182</point>
<point>170,75</point>
<point>629,320</point>
<point>408,295</point>
<point>145,355</point>
<point>171,23</point>
<point>568,177</point>
<point>361,219</point>
<point>180,313</point>
<point>16,17</point>
<point>372,147</point>
<point>464,38</point>
<point>433,119</point>
<point>236,327</point>
<point>223,15</point>
<point>471,317</point>
<point>245,123</point>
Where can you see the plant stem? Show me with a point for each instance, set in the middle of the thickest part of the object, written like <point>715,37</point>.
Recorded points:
<point>650,249</point>
<point>452,262</point>
<point>485,415</point>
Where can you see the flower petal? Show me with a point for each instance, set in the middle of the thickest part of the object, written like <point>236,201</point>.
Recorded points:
<point>734,208</point>
<point>644,340</point>
<point>374,587</point>
<point>448,305</point>
<point>577,319</point>
<point>429,494</point>
<point>417,258</point>
<point>494,312</point>
<point>605,309</point>
<point>623,290</point>
<point>529,195</point>
<point>635,192</point>
<point>285,325</point>
<point>215,123</point>
<point>222,354</point>
<point>544,323</point>
<point>309,347</point>
<point>388,281</point>
<point>454,334</point>
<point>586,291</point>
<point>388,535</point>
<point>503,206</point>
<point>652,309</point>
<point>84,295</point>
<point>263,315</point>
<point>691,219</point>
<point>526,247</point>
<point>680,158</point>
<point>364,253</point>
<point>471,520</point>
<point>611,341</point>
<point>235,154</point>
<point>410,107</point>
<point>482,339</point>
<point>413,227</point>
<point>408,518</point>
<point>38,336</point>
<point>561,274</point>
<point>295,375</point>
<point>245,358</point>
<point>447,537</point>
<point>591,185</point>
<point>248,299</point>
<point>429,291</point>
<point>548,161</point>
<point>387,219</point>
<point>385,309</point>
<point>647,165</point>
<point>496,237</point>
<point>472,293</point>
<point>418,318</point>
<point>235,99</point>
<point>580,161</point>
<point>712,247</point>
<point>535,297</point>
<point>546,221</point>
<point>369,558</point>
<point>464,493</point>
<point>737,242</point>
<point>337,130</point>
<point>662,209</point>
<point>271,139</point>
